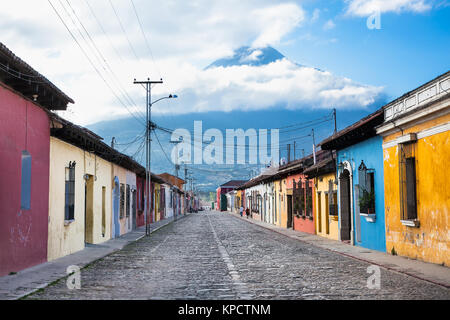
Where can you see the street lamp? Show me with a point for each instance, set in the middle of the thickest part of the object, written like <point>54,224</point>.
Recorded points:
<point>148,108</point>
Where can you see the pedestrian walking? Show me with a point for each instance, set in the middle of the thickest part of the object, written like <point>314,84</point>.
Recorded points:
<point>241,210</point>
<point>247,212</point>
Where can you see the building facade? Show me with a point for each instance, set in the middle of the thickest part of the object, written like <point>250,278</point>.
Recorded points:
<point>360,182</point>
<point>416,155</point>
<point>24,162</point>
<point>326,208</point>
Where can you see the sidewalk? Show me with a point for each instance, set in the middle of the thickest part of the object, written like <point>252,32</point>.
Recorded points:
<point>433,273</point>
<point>29,280</point>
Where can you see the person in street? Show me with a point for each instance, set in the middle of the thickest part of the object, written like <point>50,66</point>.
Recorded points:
<point>241,210</point>
<point>247,212</point>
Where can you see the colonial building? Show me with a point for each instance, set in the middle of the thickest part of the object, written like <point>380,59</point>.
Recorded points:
<point>221,191</point>
<point>360,182</point>
<point>80,189</point>
<point>325,182</point>
<point>26,96</point>
<point>416,156</point>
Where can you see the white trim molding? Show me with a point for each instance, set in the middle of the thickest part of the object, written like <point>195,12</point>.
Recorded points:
<point>411,223</point>
<point>417,98</point>
<point>420,135</point>
<point>431,112</point>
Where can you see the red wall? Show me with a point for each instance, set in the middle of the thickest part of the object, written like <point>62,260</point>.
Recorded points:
<point>141,193</point>
<point>23,234</point>
<point>301,224</point>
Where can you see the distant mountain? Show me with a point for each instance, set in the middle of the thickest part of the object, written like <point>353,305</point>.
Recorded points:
<point>250,57</point>
<point>209,177</point>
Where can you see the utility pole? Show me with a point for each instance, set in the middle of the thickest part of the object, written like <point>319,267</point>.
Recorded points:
<point>294,150</point>
<point>335,124</point>
<point>314,146</point>
<point>113,142</point>
<point>289,152</point>
<point>148,176</point>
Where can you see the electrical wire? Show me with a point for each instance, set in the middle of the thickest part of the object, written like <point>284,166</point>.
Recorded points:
<point>91,62</point>
<point>101,58</point>
<point>123,29</point>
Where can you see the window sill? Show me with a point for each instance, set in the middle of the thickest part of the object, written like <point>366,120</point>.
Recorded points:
<point>370,217</point>
<point>68,222</point>
<point>411,223</point>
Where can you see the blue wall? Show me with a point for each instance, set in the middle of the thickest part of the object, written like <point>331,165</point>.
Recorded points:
<point>372,234</point>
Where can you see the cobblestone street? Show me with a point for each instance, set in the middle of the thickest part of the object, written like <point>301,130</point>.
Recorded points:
<point>213,255</point>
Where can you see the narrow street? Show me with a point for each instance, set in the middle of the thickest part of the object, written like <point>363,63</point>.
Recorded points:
<point>216,256</point>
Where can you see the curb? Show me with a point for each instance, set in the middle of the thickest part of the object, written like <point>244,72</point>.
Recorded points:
<point>345,254</point>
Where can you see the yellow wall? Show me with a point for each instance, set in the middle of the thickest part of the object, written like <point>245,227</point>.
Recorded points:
<point>156,197</point>
<point>429,242</point>
<point>281,208</point>
<point>322,216</point>
<point>66,238</point>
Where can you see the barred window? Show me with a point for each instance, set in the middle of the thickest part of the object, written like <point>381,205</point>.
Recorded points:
<point>128,200</point>
<point>122,200</point>
<point>69,195</point>
<point>366,189</point>
<point>332,199</point>
<point>309,197</point>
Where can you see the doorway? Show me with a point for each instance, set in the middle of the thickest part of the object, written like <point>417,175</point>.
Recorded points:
<point>289,211</point>
<point>133,208</point>
<point>89,210</point>
<point>344,191</point>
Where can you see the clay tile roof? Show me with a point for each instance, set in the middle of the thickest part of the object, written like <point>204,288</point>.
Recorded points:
<point>357,132</point>
<point>17,74</point>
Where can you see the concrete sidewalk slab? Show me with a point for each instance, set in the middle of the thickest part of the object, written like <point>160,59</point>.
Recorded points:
<point>27,281</point>
<point>430,272</point>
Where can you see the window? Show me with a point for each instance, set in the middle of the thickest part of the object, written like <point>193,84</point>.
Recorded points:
<point>128,200</point>
<point>69,206</point>
<point>366,189</point>
<point>299,199</point>
<point>25,196</point>
<point>332,199</point>
<point>309,195</point>
<point>408,181</point>
<point>142,196</point>
<point>122,200</point>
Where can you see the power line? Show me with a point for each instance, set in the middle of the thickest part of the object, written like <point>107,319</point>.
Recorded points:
<point>165,154</point>
<point>91,62</point>
<point>123,29</point>
<point>145,37</point>
<point>103,30</point>
<point>101,57</point>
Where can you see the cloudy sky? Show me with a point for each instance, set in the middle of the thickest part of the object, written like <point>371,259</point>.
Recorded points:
<point>332,58</point>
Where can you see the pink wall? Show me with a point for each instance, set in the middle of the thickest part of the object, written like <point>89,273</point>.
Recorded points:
<point>301,224</point>
<point>23,234</point>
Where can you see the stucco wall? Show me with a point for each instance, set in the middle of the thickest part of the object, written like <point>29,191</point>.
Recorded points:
<point>23,233</point>
<point>281,206</point>
<point>301,224</point>
<point>372,234</point>
<point>429,242</point>
<point>333,224</point>
<point>66,238</point>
